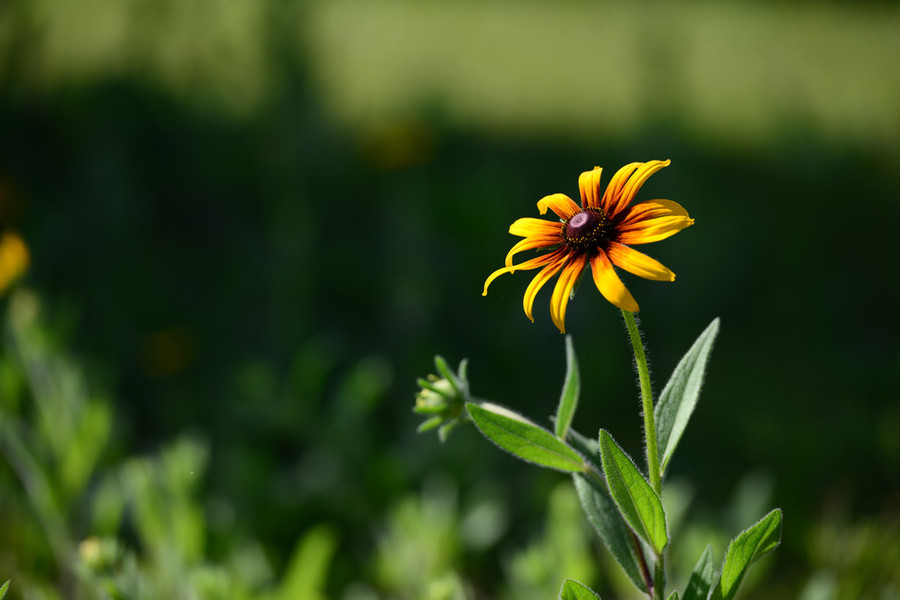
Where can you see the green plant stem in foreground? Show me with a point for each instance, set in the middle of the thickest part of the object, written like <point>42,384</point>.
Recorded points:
<point>640,359</point>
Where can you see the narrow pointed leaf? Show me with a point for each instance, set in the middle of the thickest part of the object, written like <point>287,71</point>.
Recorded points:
<point>702,577</point>
<point>673,596</point>
<point>519,436</point>
<point>568,400</point>
<point>638,503</point>
<point>679,397</point>
<point>3,589</point>
<point>574,590</point>
<point>750,545</point>
<point>604,516</point>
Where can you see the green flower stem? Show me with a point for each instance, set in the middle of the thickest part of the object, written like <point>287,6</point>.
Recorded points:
<point>647,400</point>
<point>640,358</point>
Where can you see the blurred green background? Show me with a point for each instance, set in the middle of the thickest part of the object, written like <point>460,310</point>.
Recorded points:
<point>253,224</point>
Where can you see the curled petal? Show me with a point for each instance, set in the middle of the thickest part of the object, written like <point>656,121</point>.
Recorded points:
<point>653,230</point>
<point>616,184</point>
<point>563,291</point>
<point>651,209</point>
<point>614,204</point>
<point>538,282</point>
<point>534,263</point>
<point>528,226</point>
<point>589,186</point>
<point>562,205</point>
<point>638,263</point>
<point>530,243</point>
<point>610,285</point>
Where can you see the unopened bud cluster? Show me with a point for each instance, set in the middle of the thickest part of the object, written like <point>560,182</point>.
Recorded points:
<point>443,397</point>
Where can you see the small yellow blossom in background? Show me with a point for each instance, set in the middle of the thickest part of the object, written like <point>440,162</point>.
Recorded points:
<point>597,233</point>
<point>14,259</point>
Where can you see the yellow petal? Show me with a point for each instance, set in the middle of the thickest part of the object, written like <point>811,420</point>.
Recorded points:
<point>528,226</point>
<point>531,243</point>
<point>589,186</point>
<point>618,202</point>
<point>534,263</point>
<point>653,230</point>
<point>616,184</point>
<point>650,209</point>
<point>561,204</point>
<point>563,291</point>
<point>538,282</point>
<point>610,285</point>
<point>638,263</point>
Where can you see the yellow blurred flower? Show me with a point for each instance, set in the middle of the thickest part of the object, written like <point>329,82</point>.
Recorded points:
<point>597,233</point>
<point>14,259</point>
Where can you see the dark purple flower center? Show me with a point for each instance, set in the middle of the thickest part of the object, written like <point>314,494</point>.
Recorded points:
<point>588,229</point>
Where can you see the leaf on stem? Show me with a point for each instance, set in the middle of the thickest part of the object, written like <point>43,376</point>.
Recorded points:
<point>638,503</point>
<point>748,547</point>
<point>519,436</point>
<point>679,397</point>
<point>568,400</point>
<point>603,514</point>
<point>702,577</point>
<point>574,590</point>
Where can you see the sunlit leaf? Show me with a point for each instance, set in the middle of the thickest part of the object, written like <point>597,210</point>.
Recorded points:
<point>751,544</point>
<point>568,400</point>
<point>603,514</point>
<point>638,503</point>
<point>574,590</point>
<point>679,397</point>
<point>519,436</point>
<point>3,589</point>
<point>701,578</point>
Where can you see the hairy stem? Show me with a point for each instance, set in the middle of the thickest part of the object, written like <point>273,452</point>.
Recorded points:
<point>657,592</point>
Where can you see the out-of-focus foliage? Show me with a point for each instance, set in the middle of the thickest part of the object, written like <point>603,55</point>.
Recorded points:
<point>256,223</point>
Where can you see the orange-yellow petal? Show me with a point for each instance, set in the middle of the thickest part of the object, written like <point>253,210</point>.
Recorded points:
<point>534,263</point>
<point>616,184</point>
<point>651,209</point>
<point>563,291</point>
<point>609,283</point>
<point>538,282</point>
<point>528,226</point>
<point>589,186</point>
<point>562,205</point>
<point>638,263</point>
<point>617,202</point>
<point>530,243</point>
<point>653,230</point>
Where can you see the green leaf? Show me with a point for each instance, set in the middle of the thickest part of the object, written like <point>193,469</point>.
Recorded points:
<point>751,544</point>
<point>568,400</point>
<point>679,397</point>
<point>603,514</point>
<point>673,596</point>
<point>516,434</point>
<point>574,590</point>
<point>702,577</point>
<point>3,589</point>
<point>638,503</point>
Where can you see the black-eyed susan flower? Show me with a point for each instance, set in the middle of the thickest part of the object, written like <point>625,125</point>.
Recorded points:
<point>599,233</point>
